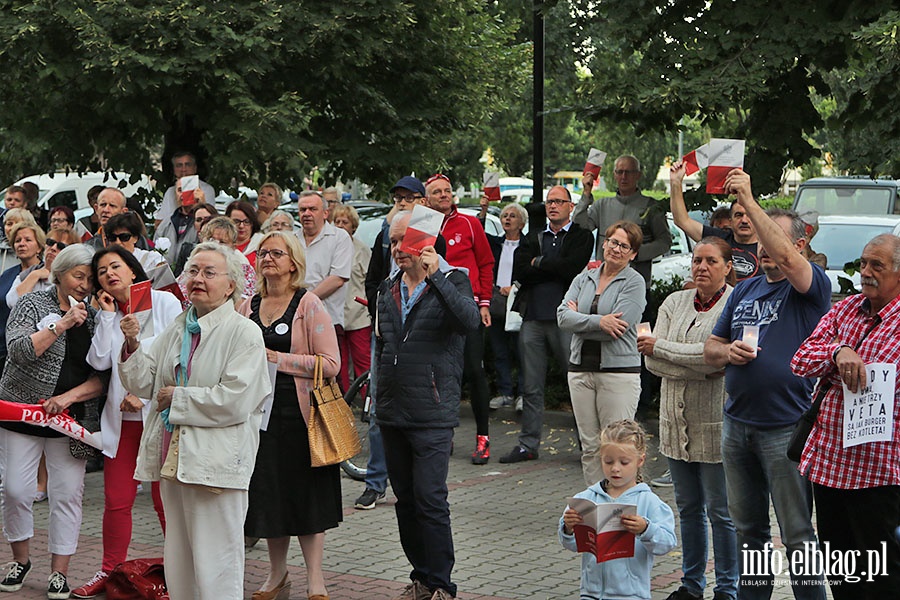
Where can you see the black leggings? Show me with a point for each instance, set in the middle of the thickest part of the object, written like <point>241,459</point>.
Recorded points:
<point>474,376</point>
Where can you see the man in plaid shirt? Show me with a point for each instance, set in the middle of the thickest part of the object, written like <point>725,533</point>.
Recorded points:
<point>765,399</point>
<point>857,489</point>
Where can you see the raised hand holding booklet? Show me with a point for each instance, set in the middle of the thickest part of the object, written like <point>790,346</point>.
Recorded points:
<point>696,160</point>
<point>492,185</point>
<point>140,304</point>
<point>602,533</point>
<point>189,184</point>
<point>594,161</point>
<point>424,227</point>
<point>724,155</point>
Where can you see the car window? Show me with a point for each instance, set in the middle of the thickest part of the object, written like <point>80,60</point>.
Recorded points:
<point>844,242</point>
<point>65,198</point>
<point>844,200</point>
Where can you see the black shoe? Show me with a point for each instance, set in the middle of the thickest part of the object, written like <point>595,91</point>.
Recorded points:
<point>15,576</point>
<point>519,454</point>
<point>369,499</point>
<point>683,593</point>
<point>57,587</point>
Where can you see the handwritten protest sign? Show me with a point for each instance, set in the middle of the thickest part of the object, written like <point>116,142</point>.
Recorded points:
<point>869,412</point>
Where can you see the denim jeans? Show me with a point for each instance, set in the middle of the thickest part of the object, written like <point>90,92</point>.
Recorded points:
<point>505,345</point>
<point>376,468</point>
<point>534,338</point>
<point>757,467</point>
<point>418,462</point>
<point>700,493</point>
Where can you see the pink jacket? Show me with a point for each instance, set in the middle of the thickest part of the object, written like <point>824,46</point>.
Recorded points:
<point>312,333</point>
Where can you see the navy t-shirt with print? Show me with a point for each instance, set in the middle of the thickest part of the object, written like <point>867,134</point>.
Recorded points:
<point>765,393</point>
<point>743,256</point>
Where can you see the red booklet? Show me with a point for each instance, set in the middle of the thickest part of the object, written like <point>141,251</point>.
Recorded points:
<point>423,229</point>
<point>140,304</point>
<point>602,533</point>
<point>492,185</point>
<point>594,161</point>
<point>724,155</point>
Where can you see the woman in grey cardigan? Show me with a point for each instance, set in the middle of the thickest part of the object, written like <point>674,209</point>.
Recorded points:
<point>690,418</point>
<point>602,308</point>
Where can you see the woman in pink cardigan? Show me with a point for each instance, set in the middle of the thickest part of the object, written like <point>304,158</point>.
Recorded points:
<point>288,496</point>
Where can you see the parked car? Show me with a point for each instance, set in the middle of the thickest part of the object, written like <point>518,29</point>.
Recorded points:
<point>677,261</point>
<point>842,239</point>
<point>857,195</point>
<point>70,189</point>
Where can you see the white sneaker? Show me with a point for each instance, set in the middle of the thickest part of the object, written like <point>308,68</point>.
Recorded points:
<point>500,402</point>
<point>519,403</point>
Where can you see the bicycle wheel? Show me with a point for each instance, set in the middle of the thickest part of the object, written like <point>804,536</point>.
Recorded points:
<point>357,397</point>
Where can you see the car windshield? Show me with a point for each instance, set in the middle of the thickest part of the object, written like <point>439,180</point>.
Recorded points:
<point>843,242</point>
<point>844,200</point>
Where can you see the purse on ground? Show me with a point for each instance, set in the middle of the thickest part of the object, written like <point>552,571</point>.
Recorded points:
<point>332,433</point>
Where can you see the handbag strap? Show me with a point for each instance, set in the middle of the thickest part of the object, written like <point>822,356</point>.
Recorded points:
<point>317,373</point>
<point>826,385</point>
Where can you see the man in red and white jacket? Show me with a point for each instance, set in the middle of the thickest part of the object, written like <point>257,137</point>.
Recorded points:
<point>467,247</point>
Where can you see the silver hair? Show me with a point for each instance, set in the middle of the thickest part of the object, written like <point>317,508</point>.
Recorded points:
<point>798,227</point>
<point>276,213</point>
<point>518,209</point>
<point>76,255</point>
<point>894,241</point>
<point>637,163</point>
<point>307,193</point>
<point>235,268</point>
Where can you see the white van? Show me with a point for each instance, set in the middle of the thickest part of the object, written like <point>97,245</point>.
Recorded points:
<point>71,189</point>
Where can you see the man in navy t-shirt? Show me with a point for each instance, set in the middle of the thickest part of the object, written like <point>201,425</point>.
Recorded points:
<point>765,398</point>
<point>741,237</point>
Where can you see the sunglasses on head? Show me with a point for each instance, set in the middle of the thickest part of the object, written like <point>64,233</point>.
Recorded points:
<point>51,242</point>
<point>119,237</point>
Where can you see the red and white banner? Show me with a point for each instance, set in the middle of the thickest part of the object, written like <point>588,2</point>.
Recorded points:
<point>189,184</point>
<point>724,155</point>
<point>163,279</point>
<point>696,160</point>
<point>34,414</point>
<point>594,161</point>
<point>424,227</point>
<point>492,186</point>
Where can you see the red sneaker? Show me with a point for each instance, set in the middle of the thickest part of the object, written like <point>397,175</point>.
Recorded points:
<point>94,587</point>
<point>482,450</point>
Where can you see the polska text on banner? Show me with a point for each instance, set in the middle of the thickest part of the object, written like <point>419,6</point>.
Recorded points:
<point>724,155</point>
<point>869,412</point>
<point>696,160</point>
<point>594,161</point>
<point>492,185</point>
<point>34,414</point>
<point>423,229</point>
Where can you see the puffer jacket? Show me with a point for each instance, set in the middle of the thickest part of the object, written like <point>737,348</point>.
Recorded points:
<point>420,362</point>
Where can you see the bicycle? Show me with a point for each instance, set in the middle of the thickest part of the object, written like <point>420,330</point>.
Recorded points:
<point>357,397</point>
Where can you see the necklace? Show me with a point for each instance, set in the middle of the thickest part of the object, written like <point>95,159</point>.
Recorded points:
<point>270,313</point>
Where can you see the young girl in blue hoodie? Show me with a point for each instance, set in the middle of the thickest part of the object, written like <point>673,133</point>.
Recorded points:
<point>623,448</point>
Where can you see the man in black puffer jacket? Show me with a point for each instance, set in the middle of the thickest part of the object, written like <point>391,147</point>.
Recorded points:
<point>423,315</point>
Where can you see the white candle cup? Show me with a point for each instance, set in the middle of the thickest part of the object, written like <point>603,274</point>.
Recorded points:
<point>751,336</point>
<point>643,329</point>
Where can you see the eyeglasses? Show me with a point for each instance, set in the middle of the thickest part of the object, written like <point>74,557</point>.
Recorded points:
<point>399,199</point>
<point>240,222</point>
<point>617,244</point>
<point>203,220</point>
<point>626,171</point>
<point>207,273</point>
<point>119,237</point>
<point>51,242</point>
<point>59,220</point>
<point>276,254</point>
<point>552,201</point>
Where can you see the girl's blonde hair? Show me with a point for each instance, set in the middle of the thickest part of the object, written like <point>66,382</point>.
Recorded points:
<point>626,433</point>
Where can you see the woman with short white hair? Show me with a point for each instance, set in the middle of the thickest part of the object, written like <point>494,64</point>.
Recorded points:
<point>202,433</point>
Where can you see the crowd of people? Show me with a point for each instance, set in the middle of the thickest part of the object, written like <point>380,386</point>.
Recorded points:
<point>187,404</point>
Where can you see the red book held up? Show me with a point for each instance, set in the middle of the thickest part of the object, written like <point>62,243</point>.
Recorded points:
<point>602,533</point>
<point>594,161</point>
<point>140,304</point>
<point>423,229</point>
<point>492,186</point>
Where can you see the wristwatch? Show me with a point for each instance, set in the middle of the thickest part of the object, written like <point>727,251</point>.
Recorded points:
<point>52,327</point>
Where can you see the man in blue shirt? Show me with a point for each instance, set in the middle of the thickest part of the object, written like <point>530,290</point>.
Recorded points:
<point>764,398</point>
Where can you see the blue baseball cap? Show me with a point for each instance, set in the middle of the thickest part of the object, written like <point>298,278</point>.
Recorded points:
<point>410,183</point>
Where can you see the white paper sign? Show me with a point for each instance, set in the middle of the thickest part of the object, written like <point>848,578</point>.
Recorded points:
<point>869,413</point>
<point>596,157</point>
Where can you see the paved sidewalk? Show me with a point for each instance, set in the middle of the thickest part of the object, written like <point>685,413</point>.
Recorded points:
<point>504,525</point>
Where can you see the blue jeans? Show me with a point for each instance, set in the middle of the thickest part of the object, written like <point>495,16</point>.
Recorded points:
<point>505,345</point>
<point>700,493</point>
<point>376,468</point>
<point>757,468</point>
<point>418,463</point>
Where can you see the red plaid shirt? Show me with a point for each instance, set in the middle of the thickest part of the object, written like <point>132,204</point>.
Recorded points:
<point>825,460</point>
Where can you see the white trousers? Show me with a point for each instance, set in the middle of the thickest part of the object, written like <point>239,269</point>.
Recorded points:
<point>204,550</point>
<point>599,399</point>
<point>20,455</point>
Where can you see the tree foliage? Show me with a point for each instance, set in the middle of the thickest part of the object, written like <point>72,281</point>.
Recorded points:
<point>261,89</point>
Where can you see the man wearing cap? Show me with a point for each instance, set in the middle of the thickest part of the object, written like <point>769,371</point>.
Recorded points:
<point>468,247</point>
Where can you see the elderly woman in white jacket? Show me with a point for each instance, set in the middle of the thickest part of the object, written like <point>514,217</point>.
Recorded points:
<point>203,374</point>
<point>114,270</point>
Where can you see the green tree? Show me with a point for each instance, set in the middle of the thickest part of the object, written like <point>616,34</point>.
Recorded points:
<point>260,89</point>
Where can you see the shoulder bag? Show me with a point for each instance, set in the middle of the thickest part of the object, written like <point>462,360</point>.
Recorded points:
<point>332,433</point>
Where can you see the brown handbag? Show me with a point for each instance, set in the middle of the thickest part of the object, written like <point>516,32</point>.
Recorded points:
<point>332,433</point>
